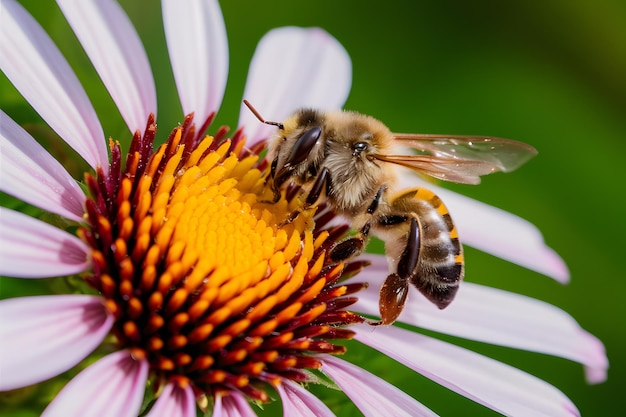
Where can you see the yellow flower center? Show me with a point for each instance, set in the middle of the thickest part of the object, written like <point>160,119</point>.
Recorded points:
<point>201,274</point>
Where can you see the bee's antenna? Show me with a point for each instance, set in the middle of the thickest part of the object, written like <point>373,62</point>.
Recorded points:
<point>261,119</point>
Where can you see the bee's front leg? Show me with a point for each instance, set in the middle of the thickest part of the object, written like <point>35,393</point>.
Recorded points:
<point>312,197</point>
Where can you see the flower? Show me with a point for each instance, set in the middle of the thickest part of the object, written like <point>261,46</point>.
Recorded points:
<point>195,289</point>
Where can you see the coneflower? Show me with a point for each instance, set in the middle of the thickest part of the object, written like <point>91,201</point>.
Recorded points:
<point>196,295</point>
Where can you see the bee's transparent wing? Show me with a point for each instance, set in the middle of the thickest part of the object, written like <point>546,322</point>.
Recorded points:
<point>460,159</point>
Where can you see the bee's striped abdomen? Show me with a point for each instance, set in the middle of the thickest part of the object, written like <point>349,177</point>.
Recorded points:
<point>440,266</point>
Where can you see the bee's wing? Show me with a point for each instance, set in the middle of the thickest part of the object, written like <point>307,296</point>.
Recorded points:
<point>447,169</point>
<point>460,159</point>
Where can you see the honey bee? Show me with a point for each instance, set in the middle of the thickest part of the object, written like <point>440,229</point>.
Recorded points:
<point>347,159</point>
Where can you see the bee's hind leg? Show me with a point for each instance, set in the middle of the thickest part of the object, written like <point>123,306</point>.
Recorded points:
<point>396,287</point>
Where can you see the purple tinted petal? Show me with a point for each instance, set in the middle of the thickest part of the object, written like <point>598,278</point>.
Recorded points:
<point>298,401</point>
<point>116,52</point>
<point>497,232</point>
<point>495,316</point>
<point>30,248</point>
<point>30,173</point>
<point>174,401</point>
<point>232,405</point>
<point>493,384</point>
<point>374,396</point>
<point>198,48</point>
<point>293,68</point>
<point>47,335</point>
<point>113,386</point>
<point>37,69</point>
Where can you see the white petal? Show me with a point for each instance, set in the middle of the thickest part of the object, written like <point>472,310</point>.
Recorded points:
<point>498,386</point>
<point>495,316</point>
<point>35,66</point>
<point>293,68</point>
<point>298,401</point>
<point>374,396</point>
<point>198,48</point>
<point>48,335</point>
<point>116,52</point>
<point>30,173</point>
<point>113,386</point>
<point>497,232</point>
<point>174,402</point>
<point>232,405</point>
<point>30,248</point>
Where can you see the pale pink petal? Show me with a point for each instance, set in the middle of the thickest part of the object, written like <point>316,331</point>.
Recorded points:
<point>293,68</point>
<point>232,405</point>
<point>35,66</point>
<point>494,316</point>
<point>298,401</point>
<point>497,232</point>
<point>198,48</point>
<point>47,335</point>
<point>493,384</point>
<point>30,173</point>
<point>374,396</point>
<point>113,386</point>
<point>116,52</point>
<point>174,401</point>
<point>30,248</point>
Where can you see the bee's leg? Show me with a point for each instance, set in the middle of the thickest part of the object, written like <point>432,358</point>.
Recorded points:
<point>272,174</point>
<point>392,298</point>
<point>396,287</point>
<point>300,151</point>
<point>354,245</point>
<point>351,246</point>
<point>314,194</point>
<point>411,254</point>
<point>273,186</point>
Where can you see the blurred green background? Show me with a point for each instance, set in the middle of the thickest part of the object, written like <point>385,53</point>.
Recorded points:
<point>549,73</point>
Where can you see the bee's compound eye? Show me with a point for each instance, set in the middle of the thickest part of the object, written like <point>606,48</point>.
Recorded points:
<point>360,147</point>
